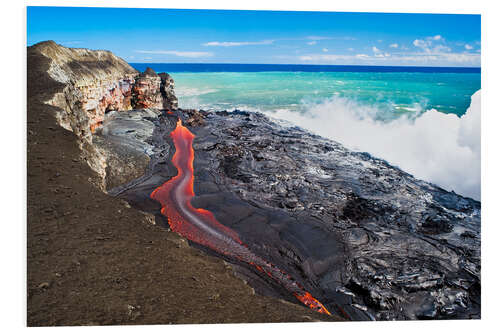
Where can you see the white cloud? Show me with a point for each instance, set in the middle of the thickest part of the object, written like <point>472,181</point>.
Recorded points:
<point>378,53</point>
<point>229,44</point>
<point>441,49</point>
<point>332,58</point>
<point>184,54</point>
<point>433,45</point>
<point>468,47</point>
<point>427,51</point>
<point>318,37</point>
<point>328,58</point>
<point>312,42</point>
<point>420,43</point>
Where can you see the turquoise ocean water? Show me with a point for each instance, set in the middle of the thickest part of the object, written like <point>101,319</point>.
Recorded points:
<point>392,94</point>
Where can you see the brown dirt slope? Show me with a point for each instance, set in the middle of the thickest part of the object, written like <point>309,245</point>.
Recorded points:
<point>92,260</point>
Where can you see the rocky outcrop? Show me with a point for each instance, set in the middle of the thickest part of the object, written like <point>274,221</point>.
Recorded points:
<point>95,83</point>
<point>154,91</point>
<point>146,91</point>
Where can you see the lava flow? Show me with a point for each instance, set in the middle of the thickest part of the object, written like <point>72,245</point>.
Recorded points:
<point>200,226</point>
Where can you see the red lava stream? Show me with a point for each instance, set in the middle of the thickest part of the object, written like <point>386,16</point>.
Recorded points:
<point>200,226</point>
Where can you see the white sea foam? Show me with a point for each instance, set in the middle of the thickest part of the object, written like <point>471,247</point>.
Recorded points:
<point>441,148</point>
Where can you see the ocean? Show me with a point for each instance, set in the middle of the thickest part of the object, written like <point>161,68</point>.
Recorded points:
<point>417,118</point>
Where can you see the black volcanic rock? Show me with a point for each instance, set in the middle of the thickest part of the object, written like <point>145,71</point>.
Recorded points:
<point>167,91</point>
<point>364,237</point>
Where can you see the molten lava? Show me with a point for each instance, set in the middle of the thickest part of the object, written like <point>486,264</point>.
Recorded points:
<point>200,225</point>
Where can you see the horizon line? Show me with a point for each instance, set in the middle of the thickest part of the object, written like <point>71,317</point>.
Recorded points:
<point>242,63</point>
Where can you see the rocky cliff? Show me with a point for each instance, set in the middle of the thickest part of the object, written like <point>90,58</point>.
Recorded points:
<point>97,82</point>
<point>94,83</point>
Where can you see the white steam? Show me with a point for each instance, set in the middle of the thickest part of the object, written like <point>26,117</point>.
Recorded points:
<point>440,148</point>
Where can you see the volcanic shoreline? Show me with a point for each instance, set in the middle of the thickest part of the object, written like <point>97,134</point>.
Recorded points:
<point>368,240</point>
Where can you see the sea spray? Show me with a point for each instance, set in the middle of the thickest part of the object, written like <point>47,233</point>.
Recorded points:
<point>441,148</point>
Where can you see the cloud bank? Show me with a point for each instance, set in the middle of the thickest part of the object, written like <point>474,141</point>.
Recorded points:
<point>427,51</point>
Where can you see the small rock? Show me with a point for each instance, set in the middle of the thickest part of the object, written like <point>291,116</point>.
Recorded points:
<point>214,297</point>
<point>43,285</point>
<point>150,218</point>
<point>133,311</point>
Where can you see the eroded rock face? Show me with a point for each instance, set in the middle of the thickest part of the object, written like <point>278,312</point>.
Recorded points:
<point>146,91</point>
<point>359,234</point>
<point>153,90</point>
<point>96,83</point>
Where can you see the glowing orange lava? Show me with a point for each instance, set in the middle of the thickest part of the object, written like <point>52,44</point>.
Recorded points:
<point>200,226</point>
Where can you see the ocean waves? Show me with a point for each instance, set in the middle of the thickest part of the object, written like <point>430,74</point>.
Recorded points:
<point>440,148</point>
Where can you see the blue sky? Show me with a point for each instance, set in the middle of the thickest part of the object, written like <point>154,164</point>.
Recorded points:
<point>272,37</point>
